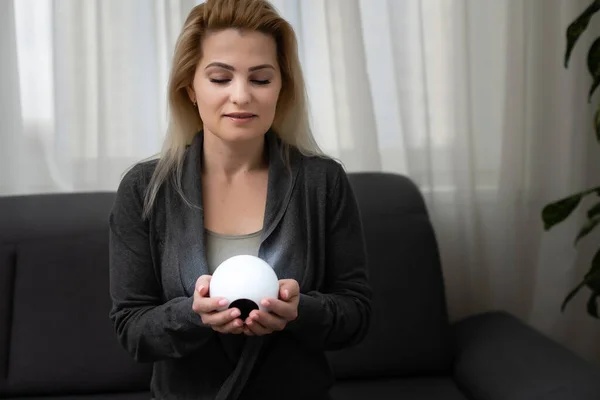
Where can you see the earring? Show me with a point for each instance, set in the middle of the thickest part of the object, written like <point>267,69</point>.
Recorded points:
<point>194,103</point>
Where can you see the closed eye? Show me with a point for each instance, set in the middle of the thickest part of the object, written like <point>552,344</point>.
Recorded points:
<point>255,81</point>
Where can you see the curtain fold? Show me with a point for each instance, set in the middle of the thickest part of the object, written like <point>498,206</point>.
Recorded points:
<point>10,110</point>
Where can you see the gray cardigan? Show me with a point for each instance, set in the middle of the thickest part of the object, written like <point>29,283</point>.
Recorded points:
<point>312,233</point>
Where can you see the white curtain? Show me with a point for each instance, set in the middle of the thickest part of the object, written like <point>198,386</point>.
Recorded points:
<point>91,78</point>
<point>467,97</point>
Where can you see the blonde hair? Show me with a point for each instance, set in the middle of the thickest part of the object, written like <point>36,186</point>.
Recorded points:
<point>291,122</point>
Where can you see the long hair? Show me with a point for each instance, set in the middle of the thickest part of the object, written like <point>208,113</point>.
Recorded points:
<point>291,122</point>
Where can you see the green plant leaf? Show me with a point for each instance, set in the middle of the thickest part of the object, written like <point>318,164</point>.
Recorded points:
<point>595,264</point>
<point>577,27</point>
<point>591,280</point>
<point>587,228</point>
<point>592,277</point>
<point>571,294</point>
<point>597,123</point>
<point>593,62</point>
<point>592,305</point>
<point>558,211</point>
<point>594,211</point>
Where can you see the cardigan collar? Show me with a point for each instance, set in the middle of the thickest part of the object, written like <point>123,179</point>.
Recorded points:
<point>281,180</point>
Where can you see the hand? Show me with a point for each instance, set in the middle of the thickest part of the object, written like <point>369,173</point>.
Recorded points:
<point>283,310</point>
<point>226,321</point>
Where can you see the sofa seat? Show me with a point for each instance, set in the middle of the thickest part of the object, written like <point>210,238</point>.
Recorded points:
<point>393,389</point>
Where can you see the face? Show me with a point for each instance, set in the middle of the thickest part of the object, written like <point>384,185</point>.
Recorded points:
<point>237,84</point>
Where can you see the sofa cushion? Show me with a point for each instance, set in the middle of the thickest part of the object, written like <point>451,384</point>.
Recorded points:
<point>394,389</point>
<point>410,330</point>
<point>61,339</point>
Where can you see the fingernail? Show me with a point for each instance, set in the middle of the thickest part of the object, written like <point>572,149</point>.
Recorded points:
<point>286,293</point>
<point>235,313</point>
<point>223,302</point>
<point>265,303</point>
<point>200,288</point>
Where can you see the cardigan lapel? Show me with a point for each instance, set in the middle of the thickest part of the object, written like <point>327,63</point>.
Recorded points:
<point>281,183</point>
<point>189,219</point>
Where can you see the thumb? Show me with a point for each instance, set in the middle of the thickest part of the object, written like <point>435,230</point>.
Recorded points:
<point>287,288</point>
<point>203,284</point>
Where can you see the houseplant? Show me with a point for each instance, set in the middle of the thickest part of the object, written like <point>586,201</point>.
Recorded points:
<point>557,211</point>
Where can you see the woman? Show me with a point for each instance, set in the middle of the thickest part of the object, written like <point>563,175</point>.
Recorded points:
<point>239,174</point>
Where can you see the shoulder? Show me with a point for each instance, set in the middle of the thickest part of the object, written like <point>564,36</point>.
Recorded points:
<point>327,183</point>
<point>324,177</point>
<point>135,180</point>
<point>138,176</point>
<point>322,170</point>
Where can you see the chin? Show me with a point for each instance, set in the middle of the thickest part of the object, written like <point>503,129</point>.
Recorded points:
<point>238,135</point>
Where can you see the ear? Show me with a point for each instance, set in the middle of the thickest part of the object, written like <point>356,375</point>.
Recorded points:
<point>191,93</point>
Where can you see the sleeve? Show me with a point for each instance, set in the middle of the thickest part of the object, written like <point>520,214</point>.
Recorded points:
<point>340,316</point>
<point>146,326</point>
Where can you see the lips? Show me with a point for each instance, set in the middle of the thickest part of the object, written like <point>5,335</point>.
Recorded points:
<point>240,115</point>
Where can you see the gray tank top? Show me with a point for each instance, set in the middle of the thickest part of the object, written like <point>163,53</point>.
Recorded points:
<point>221,247</point>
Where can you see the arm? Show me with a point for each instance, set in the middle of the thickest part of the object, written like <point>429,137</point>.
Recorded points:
<point>340,316</point>
<point>499,357</point>
<point>148,328</point>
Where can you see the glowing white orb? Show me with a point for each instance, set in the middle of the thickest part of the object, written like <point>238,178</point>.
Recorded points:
<point>244,281</point>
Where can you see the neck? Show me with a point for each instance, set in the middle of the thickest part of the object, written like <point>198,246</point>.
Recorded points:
<point>229,159</point>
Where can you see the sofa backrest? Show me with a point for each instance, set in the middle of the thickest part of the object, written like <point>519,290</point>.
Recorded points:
<point>410,331</point>
<point>55,334</point>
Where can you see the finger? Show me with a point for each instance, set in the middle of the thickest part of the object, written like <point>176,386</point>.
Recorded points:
<point>268,320</point>
<point>247,331</point>
<point>256,328</point>
<point>220,318</point>
<point>204,305</point>
<point>233,327</point>
<point>287,311</point>
<point>237,331</point>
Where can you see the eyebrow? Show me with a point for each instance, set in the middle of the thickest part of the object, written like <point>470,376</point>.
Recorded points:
<point>230,68</point>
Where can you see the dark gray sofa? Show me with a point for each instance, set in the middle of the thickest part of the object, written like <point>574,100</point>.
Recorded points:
<point>56,341</point>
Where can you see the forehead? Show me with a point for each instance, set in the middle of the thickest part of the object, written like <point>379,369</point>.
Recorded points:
<point>239,48</point>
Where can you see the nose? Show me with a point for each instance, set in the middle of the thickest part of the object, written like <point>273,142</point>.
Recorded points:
<point>240,93</point>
